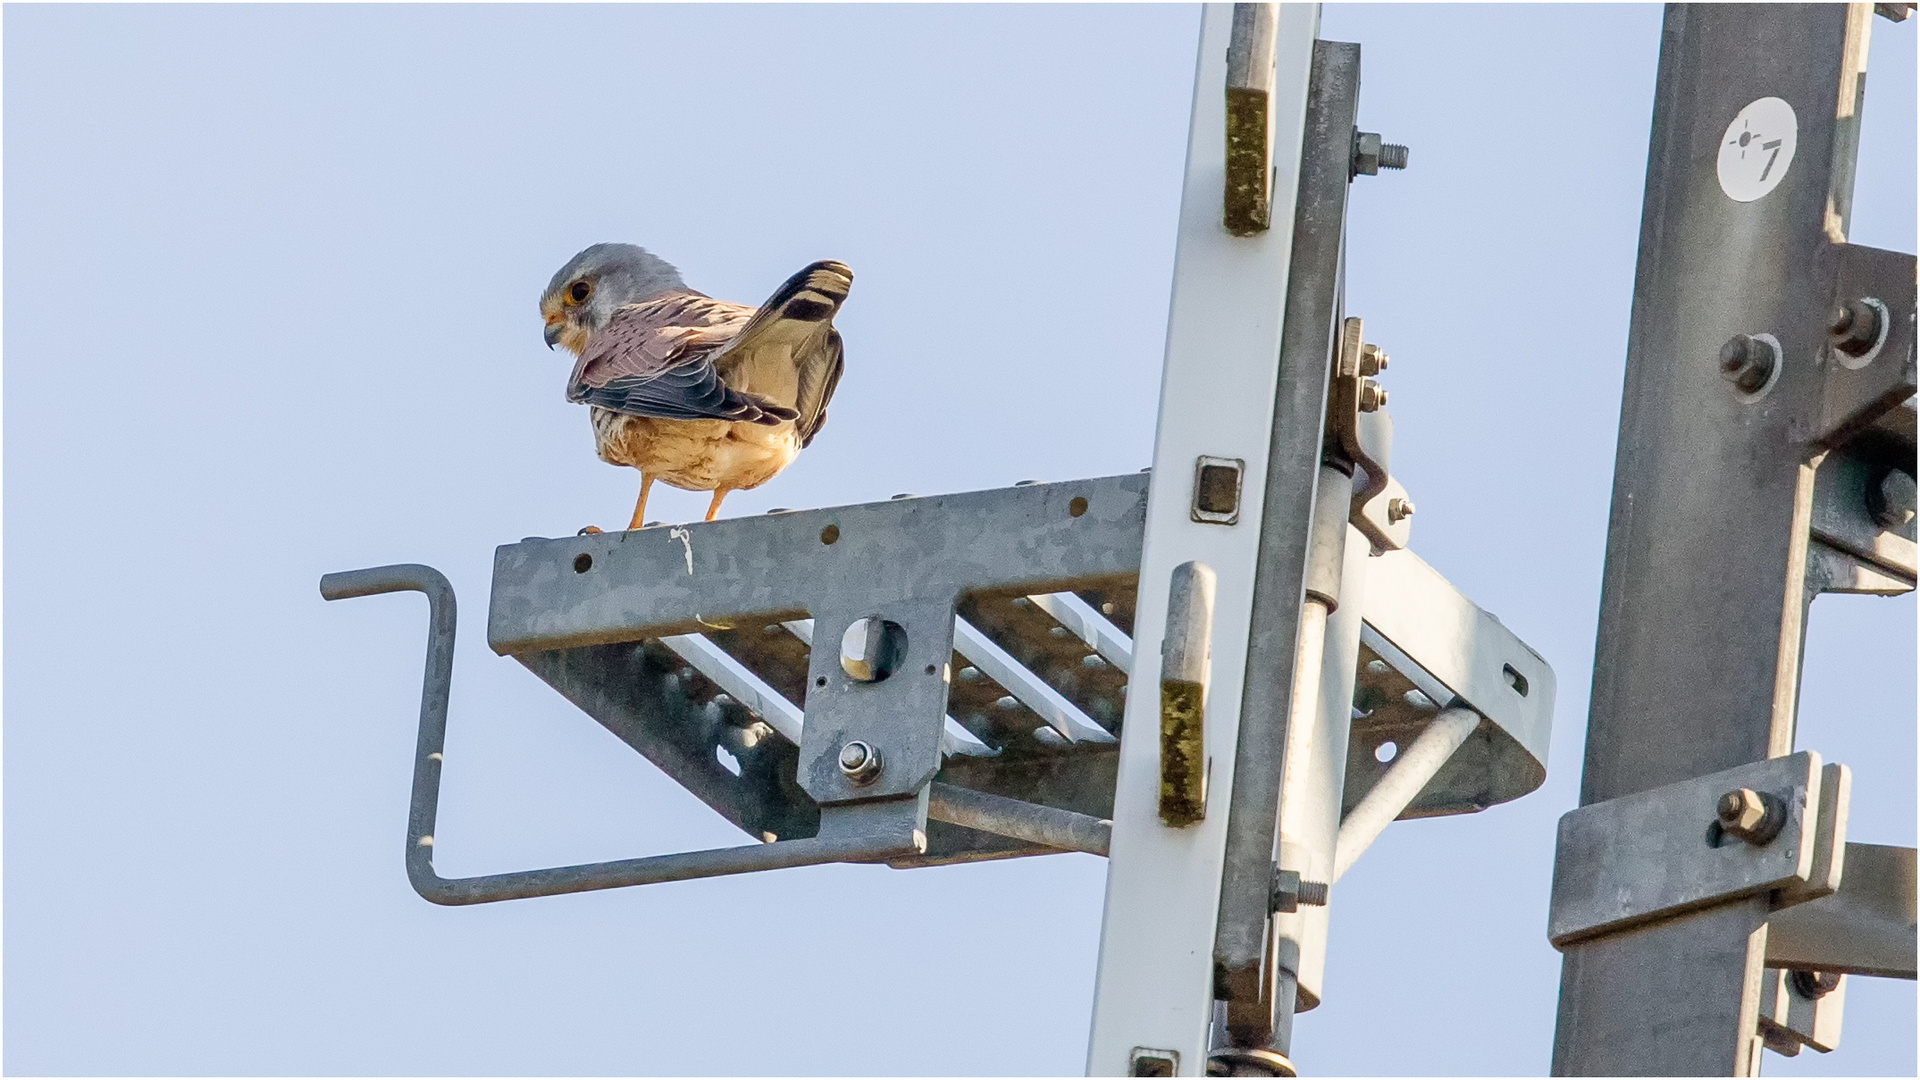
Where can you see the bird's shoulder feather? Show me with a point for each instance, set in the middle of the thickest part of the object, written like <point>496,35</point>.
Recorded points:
<point>654,358</point>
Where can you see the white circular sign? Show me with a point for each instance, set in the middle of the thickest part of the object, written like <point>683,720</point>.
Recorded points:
<point>1757,149</point>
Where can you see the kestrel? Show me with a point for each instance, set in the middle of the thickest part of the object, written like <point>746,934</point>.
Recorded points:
<point>700,393</point>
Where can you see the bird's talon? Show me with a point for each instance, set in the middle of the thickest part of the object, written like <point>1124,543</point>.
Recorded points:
<point>590,530</point>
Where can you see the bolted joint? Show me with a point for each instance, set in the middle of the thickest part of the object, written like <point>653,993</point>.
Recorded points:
<point>860,762</point>
<point>1747,362</point>
<point>1370,155</point>
<point>1813,985</point>
<point>1289,892</point>
<point>1373,396</point>
<point>1754,816</point>
<point>1373,359</point>
<point>1398,510</point>
<point>1891,501</point>
<point>1856,326</point>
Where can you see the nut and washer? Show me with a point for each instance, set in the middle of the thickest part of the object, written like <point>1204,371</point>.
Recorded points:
<point>1372,396</point>
<point>1373,359</point>
<point>1856,327</point>
<point>1753,816</point>
<point>1813,985</point>
<point>1370,155</point>
<point>1891,502</point>
<point>1398,510</point>
<point>1748,362</point>
<point>860,762</point>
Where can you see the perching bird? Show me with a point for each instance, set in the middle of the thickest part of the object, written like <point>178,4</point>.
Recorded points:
<point>699,393</point>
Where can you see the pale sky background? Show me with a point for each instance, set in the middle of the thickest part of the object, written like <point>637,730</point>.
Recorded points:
<point>269,312</point>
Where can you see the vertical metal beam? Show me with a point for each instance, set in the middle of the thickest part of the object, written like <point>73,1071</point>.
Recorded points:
<point>1306,502</point>
<point>1154,990</point>
<point>1702,605</point>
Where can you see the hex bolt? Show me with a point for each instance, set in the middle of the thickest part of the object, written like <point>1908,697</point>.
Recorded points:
<point>1854,327</point>
<point>1891,501</point>
<point>1813,985</point>
<point>1372,396</point>
<point>1747,362</point>
<point>1753,816</point>
<point>1289,892</point>
<point>1370,155</point>
<point>860,762</point>
<point>1398,509</point>
<point>1373,359</point>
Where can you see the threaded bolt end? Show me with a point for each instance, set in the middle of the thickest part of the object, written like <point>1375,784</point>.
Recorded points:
<point>1313,893</point>
<point>1393,156</point>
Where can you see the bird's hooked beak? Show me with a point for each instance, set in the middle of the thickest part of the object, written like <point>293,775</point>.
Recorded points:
<point>554,328</point>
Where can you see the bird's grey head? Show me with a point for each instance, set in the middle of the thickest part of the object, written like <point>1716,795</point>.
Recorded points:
<point>596,283</point>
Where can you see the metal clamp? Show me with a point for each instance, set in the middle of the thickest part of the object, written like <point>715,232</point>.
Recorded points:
<point>1662,852</point>
<point>856,832</point>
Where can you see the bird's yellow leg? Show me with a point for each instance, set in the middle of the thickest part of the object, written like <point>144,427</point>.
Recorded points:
<point>714,510</point>
<point>640,508</point>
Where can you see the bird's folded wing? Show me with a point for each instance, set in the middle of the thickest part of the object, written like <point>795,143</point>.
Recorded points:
<point>655,359</point>
<point>795,326</point>
<point>819,375</point>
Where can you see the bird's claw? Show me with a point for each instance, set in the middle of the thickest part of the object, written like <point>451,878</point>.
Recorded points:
<point>590,530</point>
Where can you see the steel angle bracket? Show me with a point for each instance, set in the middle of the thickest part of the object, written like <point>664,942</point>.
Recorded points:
<point>1655,854</point>
<point>1426,648</point>
<point>1864,378</point>
<point>1866,928</point>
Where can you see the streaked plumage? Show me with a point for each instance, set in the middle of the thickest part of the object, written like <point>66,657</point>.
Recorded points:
<point>700,393</point>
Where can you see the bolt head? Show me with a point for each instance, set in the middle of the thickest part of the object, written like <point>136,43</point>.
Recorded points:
<point>1750,815</point>
<point>1813,985</point>
<point>1746,362</point>
<point>1366,153</point>
<point>1741,809</point>
<point>1854,327</point>
<point>1373,359</point>
<point>1892,502</point>
<point>860,762</point>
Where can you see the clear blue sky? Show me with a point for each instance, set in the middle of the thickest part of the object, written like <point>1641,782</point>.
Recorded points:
<point>269,312</point>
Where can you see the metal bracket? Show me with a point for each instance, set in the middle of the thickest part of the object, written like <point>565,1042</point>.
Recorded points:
<point>857,832</point>
<point>1802,1008</point>
<point>1856,390</point>
<point>1866,928</point>
<point>1660,853</point>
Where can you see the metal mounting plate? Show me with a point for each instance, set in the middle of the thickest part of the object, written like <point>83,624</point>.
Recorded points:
<point>1650,855</point>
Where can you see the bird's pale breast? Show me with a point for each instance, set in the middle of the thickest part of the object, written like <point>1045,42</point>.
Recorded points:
<point>696,455</point>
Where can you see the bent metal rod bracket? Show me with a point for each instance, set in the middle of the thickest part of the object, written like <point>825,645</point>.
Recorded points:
<point>853,833</point>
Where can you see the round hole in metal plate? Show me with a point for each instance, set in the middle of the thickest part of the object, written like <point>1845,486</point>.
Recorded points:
<point>1386,751</point>
<point>582,563</point>
<point>830,534</point>
<point>1078,506</point>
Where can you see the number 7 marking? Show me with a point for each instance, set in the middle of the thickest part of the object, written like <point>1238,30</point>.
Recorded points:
<point>1775,147</point>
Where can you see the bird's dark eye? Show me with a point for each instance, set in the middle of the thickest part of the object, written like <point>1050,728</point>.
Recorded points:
<point>579,290</point>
